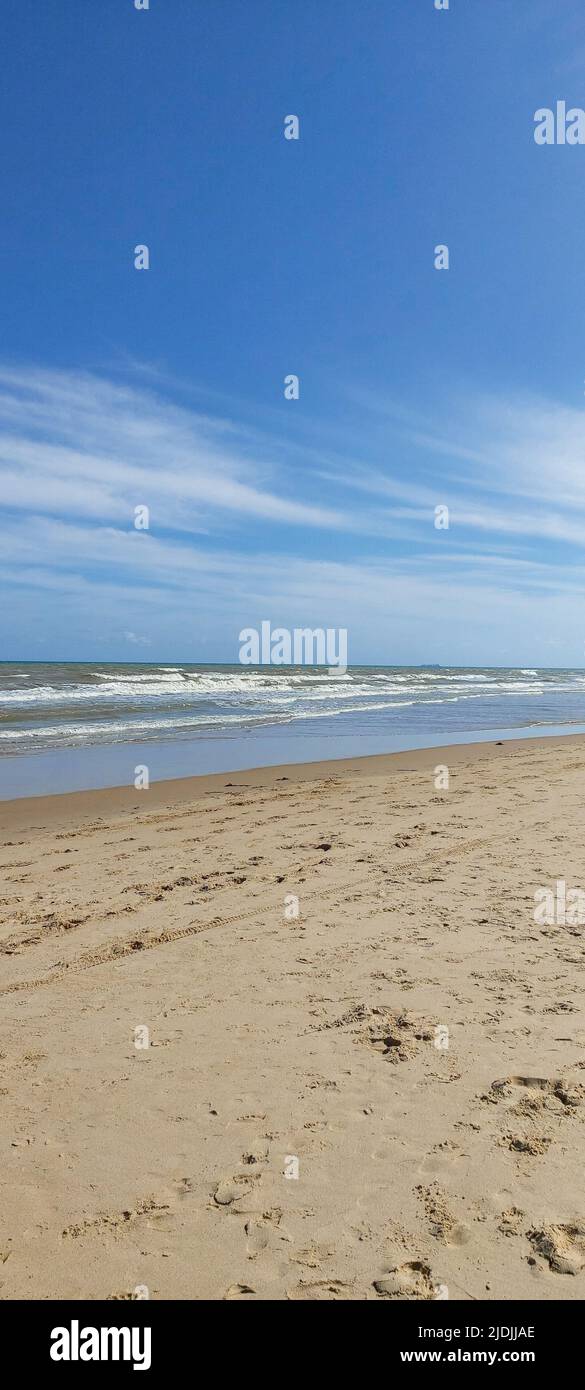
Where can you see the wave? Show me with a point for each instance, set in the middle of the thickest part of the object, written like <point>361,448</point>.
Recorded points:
<point>272,683</point>
<point>69,705</point>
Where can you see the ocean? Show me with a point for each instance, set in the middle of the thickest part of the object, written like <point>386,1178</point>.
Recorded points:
<point>69,725</point>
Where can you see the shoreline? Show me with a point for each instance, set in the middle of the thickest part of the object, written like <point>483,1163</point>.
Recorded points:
<point>177,790</point>
<point>87,766</point>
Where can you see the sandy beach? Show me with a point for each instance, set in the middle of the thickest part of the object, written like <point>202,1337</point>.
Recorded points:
<point>365,1070</point>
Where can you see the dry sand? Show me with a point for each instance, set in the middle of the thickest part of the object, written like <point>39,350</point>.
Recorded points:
<point>422,1169</point>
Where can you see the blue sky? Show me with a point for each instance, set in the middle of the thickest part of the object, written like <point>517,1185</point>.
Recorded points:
<point>418,387</point>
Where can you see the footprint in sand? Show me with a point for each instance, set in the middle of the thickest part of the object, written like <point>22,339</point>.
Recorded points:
<point>332,1290</point>
<point>396,1036</point>
<point>511,1221</point>
<point>238,1193</point>
<point>536,1090</point>
<point>412,1280</point>
<point>442,1224</point>
<point>562,1246</point>
<point>532,1144</point>
<point>257,1237</point>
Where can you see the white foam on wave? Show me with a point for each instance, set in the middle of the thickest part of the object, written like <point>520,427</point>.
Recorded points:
<point>118,730</point>
<point>170,701</point>
<point>270,686</point>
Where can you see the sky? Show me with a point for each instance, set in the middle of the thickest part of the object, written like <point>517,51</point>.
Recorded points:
<point>165,388</point>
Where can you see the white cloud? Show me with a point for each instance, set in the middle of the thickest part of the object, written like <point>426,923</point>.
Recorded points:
<point>524,475</point>
<point>77,454</point>
<point>76,445</point>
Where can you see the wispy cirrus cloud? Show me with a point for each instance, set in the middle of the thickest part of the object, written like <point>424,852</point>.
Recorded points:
<point>78,445</point>
<point>510,465</point>
<point>246,525</point>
